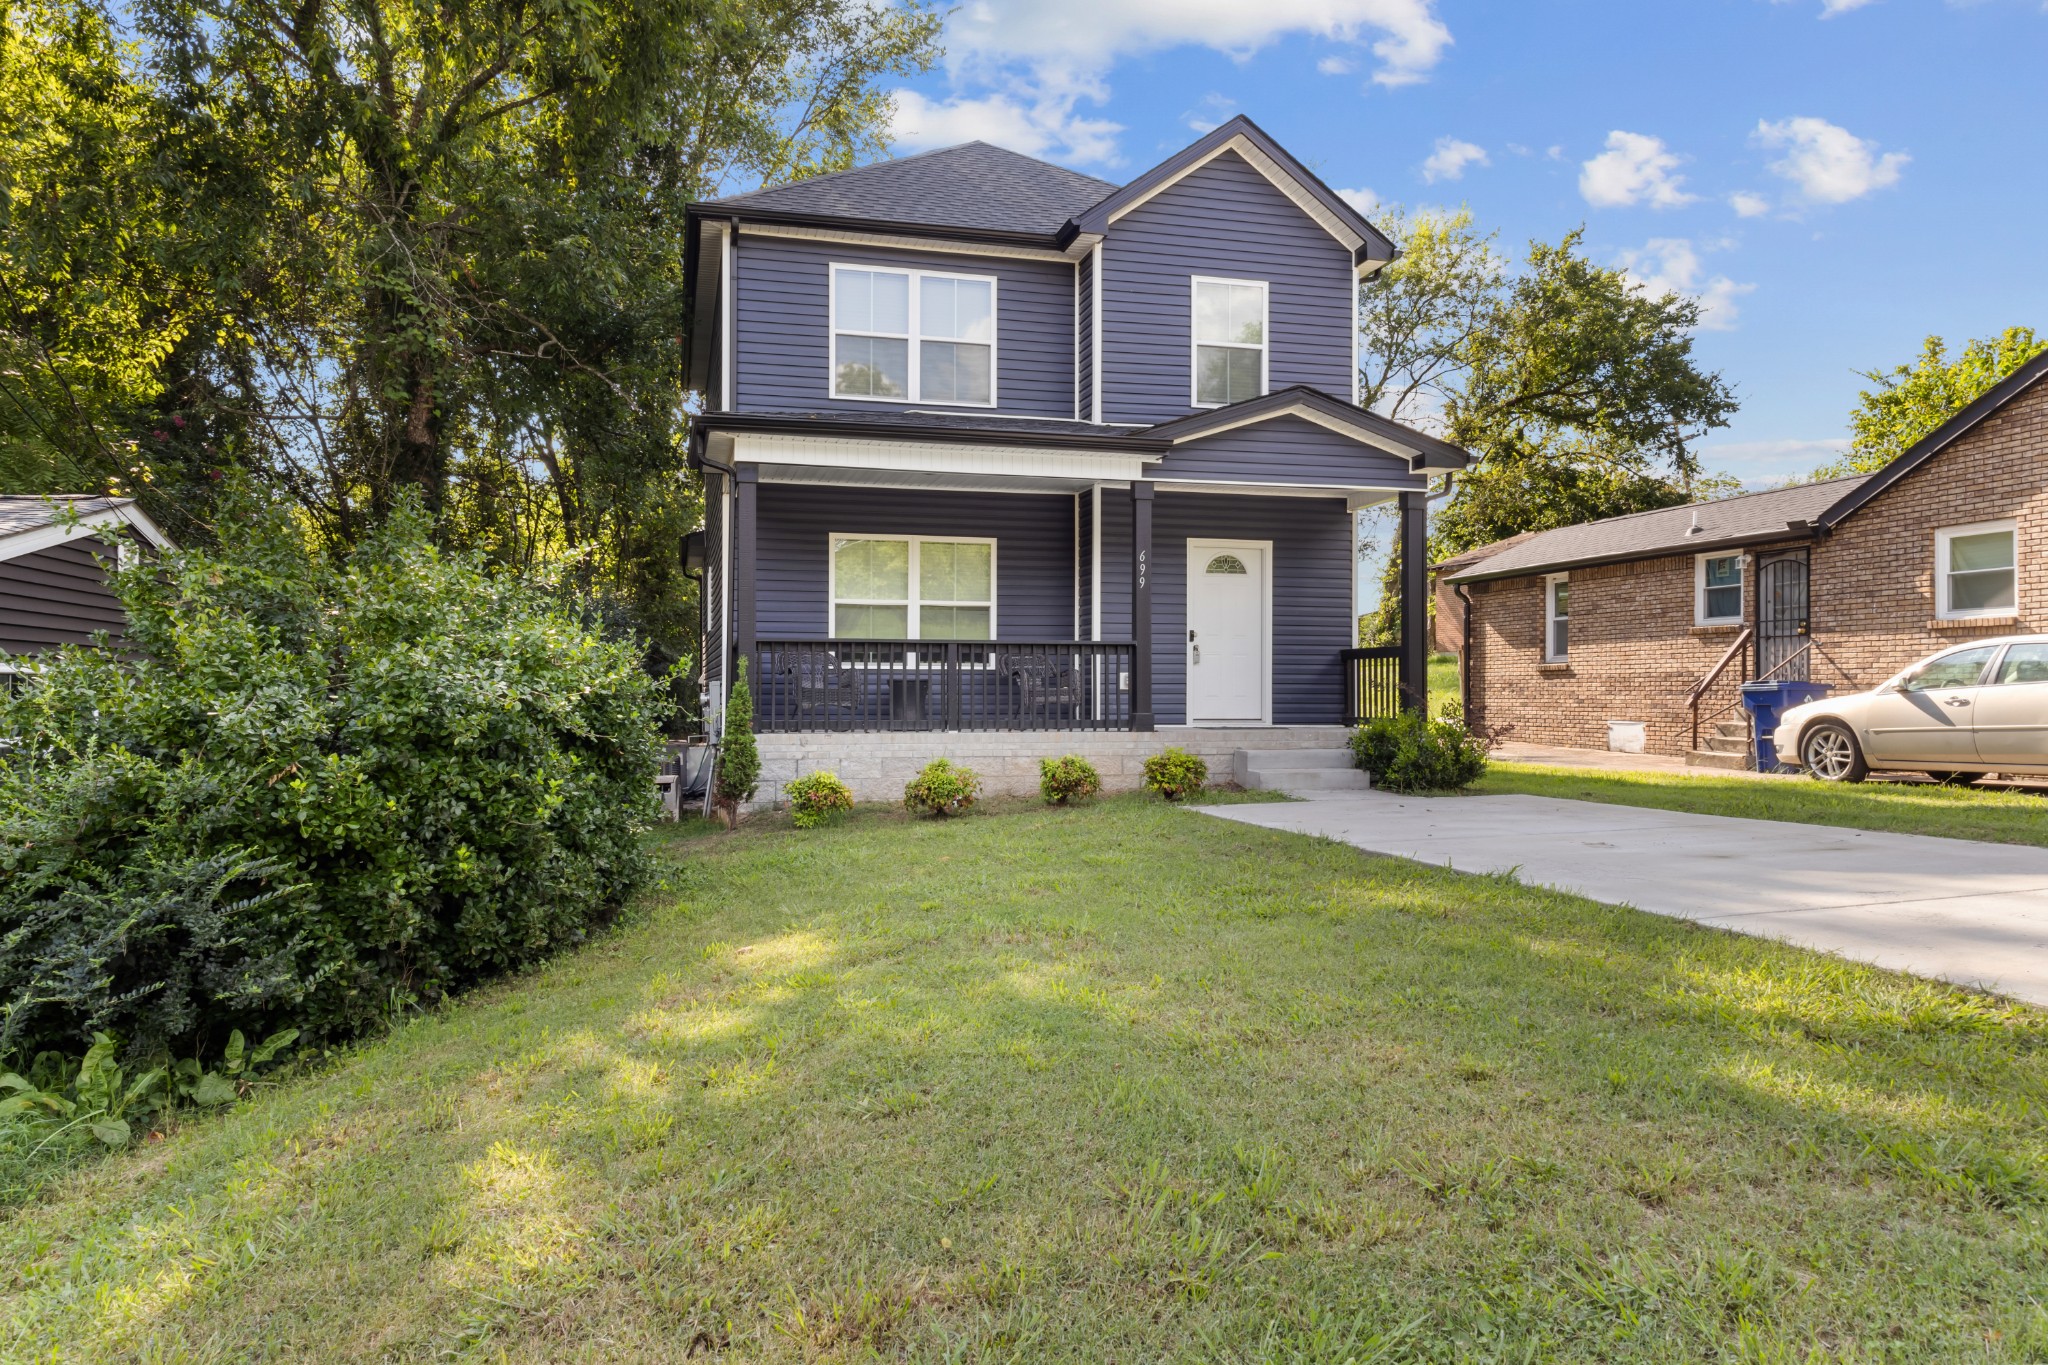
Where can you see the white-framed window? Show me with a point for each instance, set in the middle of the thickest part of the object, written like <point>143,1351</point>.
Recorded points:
<point>1976,570</point>
<point>1557,618</point>
<point>1229,341</point>
<point>1717,590</point>
<point>913,336</point>
<point>913,587</point>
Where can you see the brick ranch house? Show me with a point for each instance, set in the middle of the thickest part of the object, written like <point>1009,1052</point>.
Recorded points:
<point>1657,618</point>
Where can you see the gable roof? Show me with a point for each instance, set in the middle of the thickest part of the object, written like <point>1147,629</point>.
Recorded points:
<point>974,186</point>
<point>33,521</point>
<point>1240,135</point>
<point>1938,440</point>
<point>1422,451</point>
<point>1725,523</point>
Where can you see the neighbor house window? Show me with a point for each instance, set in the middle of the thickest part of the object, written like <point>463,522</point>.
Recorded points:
<point>1717,590</point>
<point>913,588</point>
<point>1975,571</point>
<point>913,336</point>
<point>1557,619</point>
<point>1230,341</point>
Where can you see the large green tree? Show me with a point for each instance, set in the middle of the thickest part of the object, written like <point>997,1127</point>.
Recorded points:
<point>1905,403</point>
<point>1576,391</point>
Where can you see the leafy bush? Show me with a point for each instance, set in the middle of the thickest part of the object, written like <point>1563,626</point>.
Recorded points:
<point>1175,773</point>
<point>739,758</point>
<point>941,789</point>
<point>1071,778</point>
<point>312,792</point>
<point>1407,753</point>
<point>816,797</point>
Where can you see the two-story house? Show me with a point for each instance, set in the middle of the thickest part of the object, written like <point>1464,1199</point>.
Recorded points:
<point>993,448</point>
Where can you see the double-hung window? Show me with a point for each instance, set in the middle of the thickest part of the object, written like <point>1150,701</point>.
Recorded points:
<point>1229,340</point>
<point>913,588</point>
<point>1557,619</point>
<point>913,336</point>
<point>1976,571</point>
<point>1717,590</point>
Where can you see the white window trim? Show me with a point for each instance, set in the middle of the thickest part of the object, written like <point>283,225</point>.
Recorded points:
<point>1195,344</point>
<point>1550,582</point>
<point>915,602</point>
<point>1942,536</point>
<point>1699,589</point>
<point>913,337</point>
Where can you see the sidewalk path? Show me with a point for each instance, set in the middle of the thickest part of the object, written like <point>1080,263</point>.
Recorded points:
<point>1973,913</point>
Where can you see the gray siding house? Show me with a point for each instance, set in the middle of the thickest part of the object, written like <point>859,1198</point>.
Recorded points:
<point>54,557</point>
<point>992,448</point>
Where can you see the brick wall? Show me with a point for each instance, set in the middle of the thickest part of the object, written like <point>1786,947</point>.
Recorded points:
<point>1635,652</point>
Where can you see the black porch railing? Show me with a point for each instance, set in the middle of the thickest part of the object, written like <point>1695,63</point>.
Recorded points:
<point>1372,683</point>
<point>872,685</point>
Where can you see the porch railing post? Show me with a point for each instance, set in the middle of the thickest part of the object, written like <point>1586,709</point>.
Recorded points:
<point>1141,606</point>
<point>1415,601</point>
<point>953,684</point>
<point>745,489</point>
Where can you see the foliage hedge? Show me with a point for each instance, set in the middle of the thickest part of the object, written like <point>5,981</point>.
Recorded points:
<point>1407,753</point>
<point>1175,773</point>
<point>815,798</point>
<point>941,789</point>
<point>310,792</point>
<point>1067,779</point>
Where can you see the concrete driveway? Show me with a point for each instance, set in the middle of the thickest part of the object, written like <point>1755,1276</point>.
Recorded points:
<point>1972,913</point>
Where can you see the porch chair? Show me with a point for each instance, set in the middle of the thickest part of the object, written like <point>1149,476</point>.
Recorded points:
<point>819,683</point>
<point>1044,681</point>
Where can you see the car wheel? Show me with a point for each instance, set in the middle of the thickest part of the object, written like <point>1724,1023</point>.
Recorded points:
<point>1831,753</point>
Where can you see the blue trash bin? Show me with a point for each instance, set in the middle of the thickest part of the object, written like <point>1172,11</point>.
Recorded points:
<point>1766,703</point>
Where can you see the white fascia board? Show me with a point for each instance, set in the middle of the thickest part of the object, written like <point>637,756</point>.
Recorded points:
<point>842,452</point>
<point>88,525</point>
<point>1271,169</point>
<point>898,242</point>
<point>1321,419</point>
<point>1355,496</point>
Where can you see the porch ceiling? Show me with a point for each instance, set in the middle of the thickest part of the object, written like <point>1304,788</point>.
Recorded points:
<point>842,477</point>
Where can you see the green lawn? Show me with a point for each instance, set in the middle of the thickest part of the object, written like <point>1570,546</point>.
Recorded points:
<point>2000,815</point>
<point>1443,682</point>
<point>1122,1084</point>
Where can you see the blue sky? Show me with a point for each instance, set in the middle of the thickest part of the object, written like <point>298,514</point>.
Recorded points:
<point>1836,178</point>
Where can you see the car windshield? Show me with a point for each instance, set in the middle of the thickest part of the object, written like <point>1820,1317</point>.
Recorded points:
<point>1960,669</point>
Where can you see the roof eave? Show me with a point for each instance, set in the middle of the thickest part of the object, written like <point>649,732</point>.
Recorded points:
<point>742,422</point>
<point>1790,531</point>
<point>740,213</point>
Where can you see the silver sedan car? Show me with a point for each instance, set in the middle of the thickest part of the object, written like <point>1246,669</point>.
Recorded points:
<point>1975,708</point>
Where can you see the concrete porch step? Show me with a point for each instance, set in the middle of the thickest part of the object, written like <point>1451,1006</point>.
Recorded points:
<point>1727,744</point>
<point>1298,770</point>
<point>1714,758</point>
<point>1732,729</point>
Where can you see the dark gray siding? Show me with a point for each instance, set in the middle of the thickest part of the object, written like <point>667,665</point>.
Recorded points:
<point>782,316</point>
<point>1034,536</point>
<point>1288,450</point>
<point>713,606</point>
<point>1084,340</point>
<point>1224,219</point>
<point>1084,568</point>
<point>57,596</point>
<point>1116,564</point>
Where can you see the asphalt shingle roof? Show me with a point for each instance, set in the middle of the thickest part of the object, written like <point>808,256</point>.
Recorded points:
<point>27,511</point>
<point>973,185</point>
<point>1668,530</point>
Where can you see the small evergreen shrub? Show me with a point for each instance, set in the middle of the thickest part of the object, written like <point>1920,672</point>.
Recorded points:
<point>739,758</point>
<point>941,789</point>
<point>815,798</point>
<point>1175,773</point>
<point>1407,753</point>
<point>1067,779</point>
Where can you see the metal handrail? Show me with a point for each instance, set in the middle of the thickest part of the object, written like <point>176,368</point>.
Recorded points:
<point>1798,653</point>
<point>1700,688</point>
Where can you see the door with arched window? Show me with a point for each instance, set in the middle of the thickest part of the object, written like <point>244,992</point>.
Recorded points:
<point>1230,636</point>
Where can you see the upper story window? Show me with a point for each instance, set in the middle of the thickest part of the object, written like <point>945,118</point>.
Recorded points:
<point>1557,619</point>
<point>913,336</point>
<point>1717,590</point>
<point>1229,340</point>
<point>1975,571</point>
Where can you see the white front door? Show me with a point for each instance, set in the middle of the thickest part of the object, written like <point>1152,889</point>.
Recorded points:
<point>1229,632</point>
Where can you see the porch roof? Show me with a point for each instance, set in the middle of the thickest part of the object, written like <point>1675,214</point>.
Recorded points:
<point>945,428</point>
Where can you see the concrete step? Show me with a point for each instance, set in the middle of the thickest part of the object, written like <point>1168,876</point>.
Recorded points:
<point>1714,758</point>
<point>1293,758</point>
<point>1724,744</point>
<point>1732,729</point>
<point>1307,780</point>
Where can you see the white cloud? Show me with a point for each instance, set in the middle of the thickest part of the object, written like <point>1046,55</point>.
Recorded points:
<point>1829,164</point>
<point>1635,169</point>
<point>1761,464</point>
<point>1748,205</point>
<point>1043,125</point>
<point>1670,265</point>
<point>1364,200</point>
<point>1213,111</point>
<point>1037,59</point>
<point>1830,8</point>
<point>1451,157</point>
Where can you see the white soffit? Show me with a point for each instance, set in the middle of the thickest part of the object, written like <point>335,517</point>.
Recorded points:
<point>1354,496</point>
<point>89,525</point>
<point>984,461</point>
<point>1272,170</point>
<point>899,242</point>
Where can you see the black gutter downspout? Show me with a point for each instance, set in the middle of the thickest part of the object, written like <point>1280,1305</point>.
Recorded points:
<point>1464,652</point>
